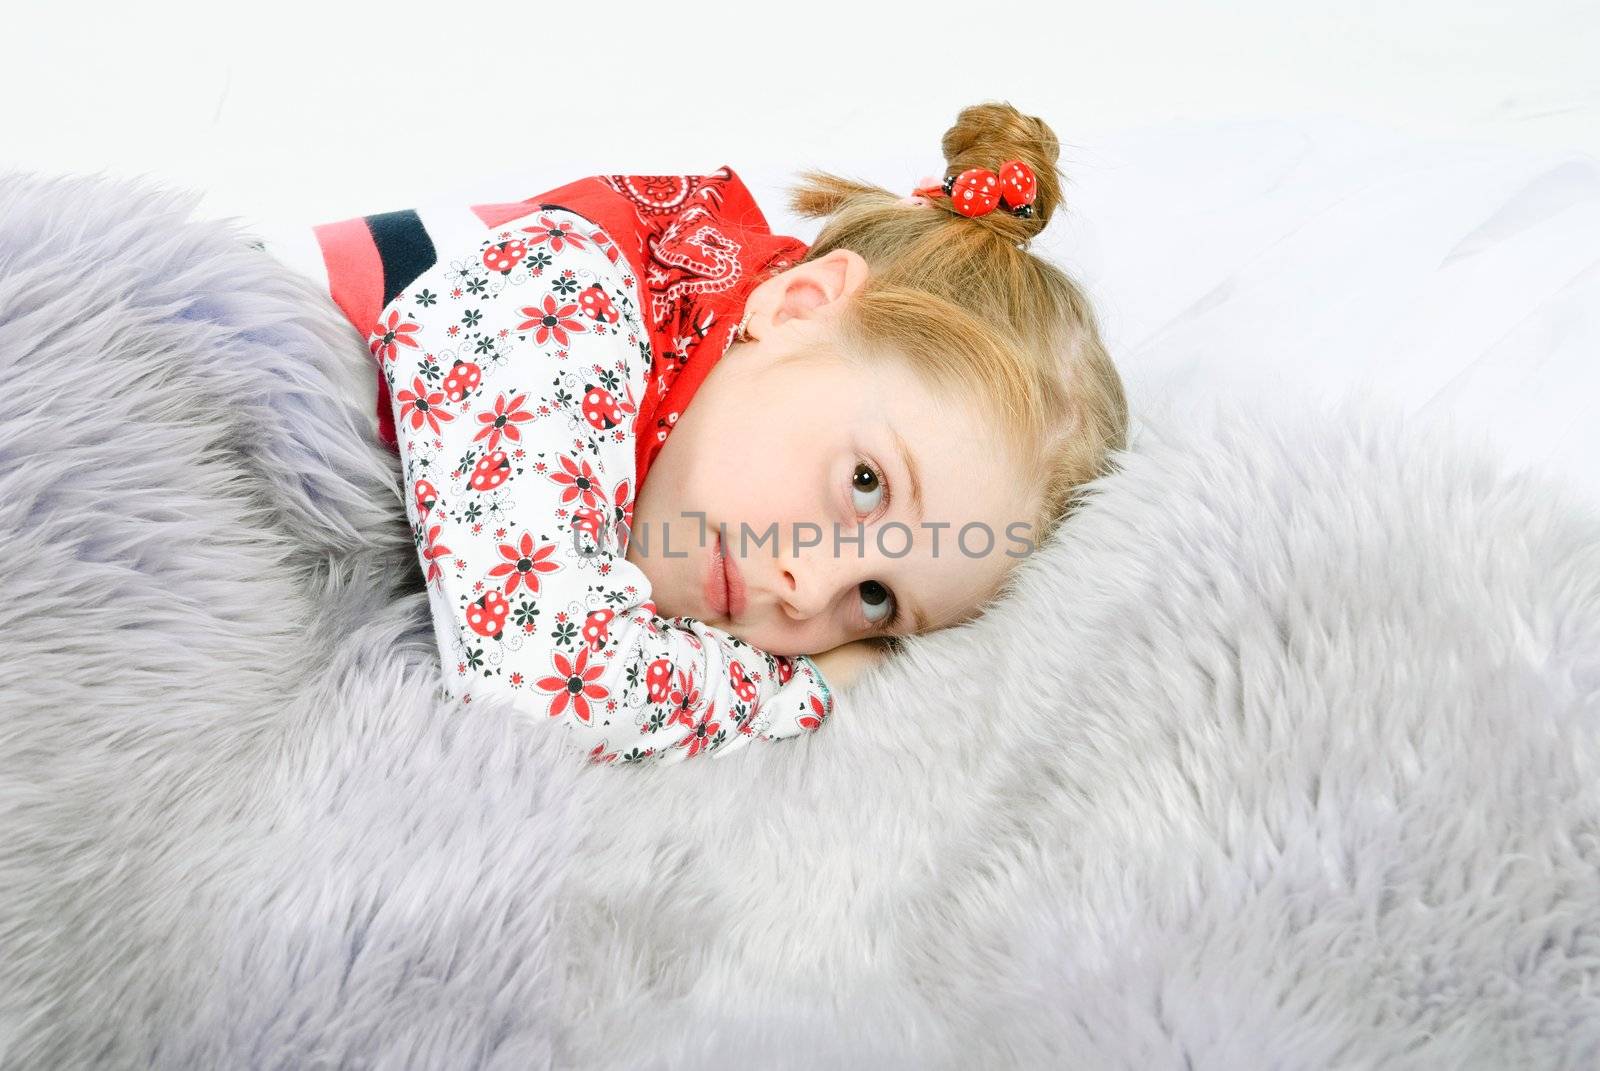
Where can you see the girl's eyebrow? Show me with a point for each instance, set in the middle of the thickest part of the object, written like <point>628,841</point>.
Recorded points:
<point>909,462</point>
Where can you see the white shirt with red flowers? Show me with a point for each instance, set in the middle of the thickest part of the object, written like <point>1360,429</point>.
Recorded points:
<point>514,365</point>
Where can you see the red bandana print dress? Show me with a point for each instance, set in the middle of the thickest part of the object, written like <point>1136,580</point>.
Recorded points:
<point>532,361</point>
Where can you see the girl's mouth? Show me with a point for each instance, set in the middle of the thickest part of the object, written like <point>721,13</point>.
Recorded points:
<point>733,582</point>
<point>724,587</point>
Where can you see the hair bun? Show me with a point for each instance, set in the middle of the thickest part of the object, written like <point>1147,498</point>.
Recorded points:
<point>987,135</point>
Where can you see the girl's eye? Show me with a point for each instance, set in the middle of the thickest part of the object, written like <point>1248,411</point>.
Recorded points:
<point>876,602</point>
<point>866,488</point>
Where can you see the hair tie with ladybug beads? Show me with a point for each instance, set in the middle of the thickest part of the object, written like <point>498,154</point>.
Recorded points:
<point>978,190</point>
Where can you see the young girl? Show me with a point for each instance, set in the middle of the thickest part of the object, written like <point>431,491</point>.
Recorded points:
<point>674,478</point>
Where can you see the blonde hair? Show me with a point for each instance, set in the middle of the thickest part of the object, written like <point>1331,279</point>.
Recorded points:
<point>965,303</point>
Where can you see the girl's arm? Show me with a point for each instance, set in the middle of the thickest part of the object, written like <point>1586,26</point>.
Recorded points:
<point>517,478</point>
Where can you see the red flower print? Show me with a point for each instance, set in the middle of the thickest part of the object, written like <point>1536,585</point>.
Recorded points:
<point>503,421</point>
<point>421,405</point>
<point>600,755</point>
<point>700,739</point>
<point>434,552</point>
<point>605,243</point>
<point>554,320</point>
<point>555,233</point>
<point>685,698</point>
<point>813,721</point>
<point>577,480</point>
<point>390,334</point>
<point>573,684</point>
<point>622,505</point>
<point>523,564</point>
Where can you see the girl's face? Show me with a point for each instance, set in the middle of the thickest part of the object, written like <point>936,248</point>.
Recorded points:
<point>750,517</point>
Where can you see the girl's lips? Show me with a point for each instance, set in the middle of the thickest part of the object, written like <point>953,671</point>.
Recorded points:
<point>733,583</point>
<point>724,586</point>
<point>716,581</point>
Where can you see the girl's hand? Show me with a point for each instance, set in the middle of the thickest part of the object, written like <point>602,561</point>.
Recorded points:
<point>843,664</point>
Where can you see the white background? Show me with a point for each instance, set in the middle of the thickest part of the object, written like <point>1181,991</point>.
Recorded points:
<point>327,109</point>
<point>1403,195</point>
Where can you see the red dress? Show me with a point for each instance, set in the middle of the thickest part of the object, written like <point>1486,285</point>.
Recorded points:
<point>532,360</point>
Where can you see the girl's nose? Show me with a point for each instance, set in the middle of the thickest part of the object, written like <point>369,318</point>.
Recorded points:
<point>809,585</point>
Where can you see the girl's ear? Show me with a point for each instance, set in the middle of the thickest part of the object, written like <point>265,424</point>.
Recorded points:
<point>816,288</point>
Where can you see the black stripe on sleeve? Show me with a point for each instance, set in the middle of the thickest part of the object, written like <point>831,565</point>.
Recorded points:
<point>404,248</point>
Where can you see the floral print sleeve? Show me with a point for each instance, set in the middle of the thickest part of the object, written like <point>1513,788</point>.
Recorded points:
<point>514,370</point>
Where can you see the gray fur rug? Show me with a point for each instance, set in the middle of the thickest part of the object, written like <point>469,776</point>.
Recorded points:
<point>1309,778</point>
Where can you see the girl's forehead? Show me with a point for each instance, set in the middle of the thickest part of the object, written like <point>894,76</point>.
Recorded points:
<point>943,446</point>
<point>967,502</point>
<point>948,430</point>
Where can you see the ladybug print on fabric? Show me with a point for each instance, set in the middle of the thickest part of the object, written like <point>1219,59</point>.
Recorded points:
<point>463,376</point>
<point>597,304</point>
<point>492,470</point>
<point>743,686</point>
<point>504,256</point>
<point>597,627</point>
<point>426,496</point>
<point>600,409</point>
<point>487,616</point>
<point>658,680</point>
<point>589,520</point>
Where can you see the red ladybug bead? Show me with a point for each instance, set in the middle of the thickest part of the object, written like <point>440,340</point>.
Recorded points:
<point>975,191</point>
<point>1018,185</point>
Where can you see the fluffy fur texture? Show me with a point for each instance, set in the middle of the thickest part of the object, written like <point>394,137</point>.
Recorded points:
<point>1312,782</point>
